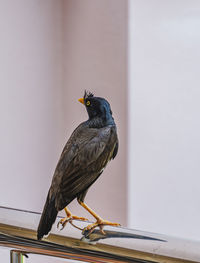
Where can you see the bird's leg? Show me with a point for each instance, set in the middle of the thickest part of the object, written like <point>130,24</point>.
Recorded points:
<point>69,218</point>
<point>100,222</point>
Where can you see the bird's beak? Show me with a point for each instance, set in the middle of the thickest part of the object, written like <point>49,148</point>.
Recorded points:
<point>81,100</point>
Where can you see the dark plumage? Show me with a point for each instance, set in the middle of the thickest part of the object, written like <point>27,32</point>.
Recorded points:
<point>92,144</point>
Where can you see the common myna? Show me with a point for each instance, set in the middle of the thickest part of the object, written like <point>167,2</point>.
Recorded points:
<point>91,146</point>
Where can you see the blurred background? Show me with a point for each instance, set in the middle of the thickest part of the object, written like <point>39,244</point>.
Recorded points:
<point>143,56</point>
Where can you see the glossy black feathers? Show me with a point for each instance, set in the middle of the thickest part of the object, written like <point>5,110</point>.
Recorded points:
<point>88,95</point>
<point>48,218</point>
<point>91,146</point>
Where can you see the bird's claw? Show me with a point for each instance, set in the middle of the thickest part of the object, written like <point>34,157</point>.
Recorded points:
<point>63,223</point>
<point>90,228</point>
<point>70,219</point>
<point>87,231</point>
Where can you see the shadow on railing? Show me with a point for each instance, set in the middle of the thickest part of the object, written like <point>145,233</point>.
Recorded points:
<point>17,232</point>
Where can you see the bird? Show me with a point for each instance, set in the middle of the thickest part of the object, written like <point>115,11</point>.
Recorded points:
<point>90,147</point>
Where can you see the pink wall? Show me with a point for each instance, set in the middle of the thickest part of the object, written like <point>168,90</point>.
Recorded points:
<point>95,59</point>
<point>50,52</point>
<point>30,87</point>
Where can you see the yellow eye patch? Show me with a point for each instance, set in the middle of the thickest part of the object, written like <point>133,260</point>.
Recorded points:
<point>88,103</point>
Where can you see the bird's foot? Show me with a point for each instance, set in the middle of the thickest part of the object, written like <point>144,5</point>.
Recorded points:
<point>99,223</point>
<point>70,219</point>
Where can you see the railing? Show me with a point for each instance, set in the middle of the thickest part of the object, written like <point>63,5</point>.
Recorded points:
<point>17,232</point>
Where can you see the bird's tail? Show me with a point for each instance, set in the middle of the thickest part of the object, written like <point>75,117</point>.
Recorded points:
<point>48,217</point>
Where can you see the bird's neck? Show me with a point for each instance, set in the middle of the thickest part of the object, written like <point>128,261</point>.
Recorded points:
<point>98,122</point>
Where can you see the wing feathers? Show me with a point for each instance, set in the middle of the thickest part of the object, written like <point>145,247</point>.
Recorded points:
<point>81,163</point>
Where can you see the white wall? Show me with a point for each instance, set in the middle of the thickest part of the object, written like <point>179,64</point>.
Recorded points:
<point>34,258</point>
<point>164,89</point>
<point>5,254</point>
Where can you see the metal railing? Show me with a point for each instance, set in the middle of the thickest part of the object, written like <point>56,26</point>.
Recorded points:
<point>18,233</point>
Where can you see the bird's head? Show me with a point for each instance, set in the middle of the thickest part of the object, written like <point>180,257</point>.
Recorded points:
<point>97,108</point>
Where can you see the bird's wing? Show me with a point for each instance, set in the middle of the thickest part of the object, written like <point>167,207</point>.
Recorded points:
<point>115,149</point>
<point>78,167</point>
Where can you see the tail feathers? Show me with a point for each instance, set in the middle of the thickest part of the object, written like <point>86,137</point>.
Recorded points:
<point>47,219</point>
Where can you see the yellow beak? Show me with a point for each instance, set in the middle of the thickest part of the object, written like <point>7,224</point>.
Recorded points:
<point>81,100</point>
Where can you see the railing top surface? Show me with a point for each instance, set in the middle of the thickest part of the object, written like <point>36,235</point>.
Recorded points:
<point>18,230</point>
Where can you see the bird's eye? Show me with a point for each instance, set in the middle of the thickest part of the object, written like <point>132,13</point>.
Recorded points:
<point>88,103</point>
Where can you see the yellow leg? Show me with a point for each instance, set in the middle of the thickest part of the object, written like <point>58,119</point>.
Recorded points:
<point>68,213</point>
<point>100,222</point>
<point>69,218</point>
